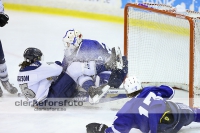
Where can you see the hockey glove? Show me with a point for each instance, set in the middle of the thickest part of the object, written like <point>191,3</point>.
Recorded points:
<point>96,128</point>
<point>3,19</point>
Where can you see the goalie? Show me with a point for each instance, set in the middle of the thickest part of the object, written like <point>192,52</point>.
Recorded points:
<point>149,110</point>
<point>90,64</point>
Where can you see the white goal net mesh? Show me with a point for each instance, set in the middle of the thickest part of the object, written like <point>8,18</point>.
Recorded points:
<point>158,48</point>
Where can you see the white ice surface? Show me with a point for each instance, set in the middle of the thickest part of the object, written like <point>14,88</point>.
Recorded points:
<point>45,32</point>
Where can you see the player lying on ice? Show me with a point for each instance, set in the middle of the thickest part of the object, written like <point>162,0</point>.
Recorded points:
<point>39,81</point>
<point>91,63</point>
<point>150,110</point>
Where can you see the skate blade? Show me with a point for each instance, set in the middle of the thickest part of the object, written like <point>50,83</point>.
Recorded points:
<point>97,97</point>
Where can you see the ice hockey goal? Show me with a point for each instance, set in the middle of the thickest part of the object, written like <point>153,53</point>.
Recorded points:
<point>163,47</point>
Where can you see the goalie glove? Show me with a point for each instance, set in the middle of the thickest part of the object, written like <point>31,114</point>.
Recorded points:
<point>3,19</point>
<point>96,128</point>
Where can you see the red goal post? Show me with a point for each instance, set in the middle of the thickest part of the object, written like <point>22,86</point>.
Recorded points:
<point>163,47</point>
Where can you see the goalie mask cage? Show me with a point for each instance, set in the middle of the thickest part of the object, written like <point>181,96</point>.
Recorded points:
<point>163,47</point>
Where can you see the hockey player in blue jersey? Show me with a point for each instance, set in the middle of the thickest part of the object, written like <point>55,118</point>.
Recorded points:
<point>3,68</point>
<point>150,110</point>
<point>91,63</point>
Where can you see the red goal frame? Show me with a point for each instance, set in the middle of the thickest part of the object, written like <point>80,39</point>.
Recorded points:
<point>191,47</point>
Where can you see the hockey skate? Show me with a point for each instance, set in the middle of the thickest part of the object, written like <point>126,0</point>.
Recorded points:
<point>96,93</point>
<point>115,60</point>
<point>1,92</point>
<point>7,86</point>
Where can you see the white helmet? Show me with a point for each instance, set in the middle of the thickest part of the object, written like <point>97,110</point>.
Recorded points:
<point>132,84</point>
<point>72,37</point>
<point>72,40</point>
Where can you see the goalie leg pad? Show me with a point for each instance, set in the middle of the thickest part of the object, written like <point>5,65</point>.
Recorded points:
<point>89,68</point>
<point>75,70</point>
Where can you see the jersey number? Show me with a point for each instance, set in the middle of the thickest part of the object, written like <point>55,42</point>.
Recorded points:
<point>147,101</point>
<point>28,93</point>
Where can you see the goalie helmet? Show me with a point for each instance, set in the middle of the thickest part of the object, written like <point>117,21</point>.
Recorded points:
<point>32,54</point>
<point>132,84</point>
<point>72,38</point>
